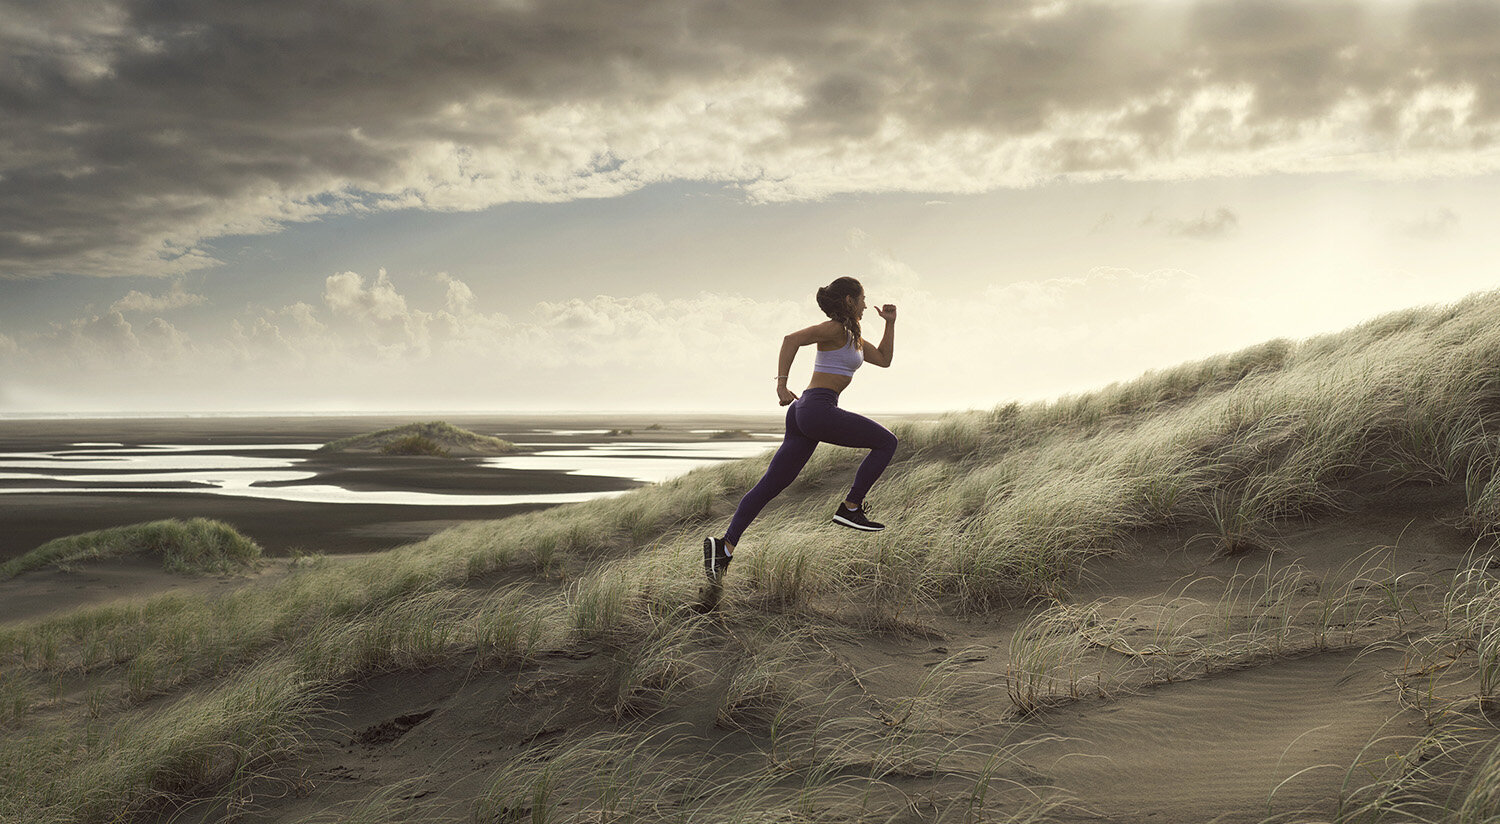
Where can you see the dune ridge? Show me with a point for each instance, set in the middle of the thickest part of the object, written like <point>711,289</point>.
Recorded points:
<point>1322,500</point>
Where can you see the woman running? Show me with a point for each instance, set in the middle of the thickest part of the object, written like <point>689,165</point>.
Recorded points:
<point>816,417</point>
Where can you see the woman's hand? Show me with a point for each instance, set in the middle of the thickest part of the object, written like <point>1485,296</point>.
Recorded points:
<point>785,394</point>
<point>887,312</point>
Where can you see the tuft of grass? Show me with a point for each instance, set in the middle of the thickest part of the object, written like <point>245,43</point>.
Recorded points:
<point>1456,667</point>
<point>648,674</point>
<point>415,445</point>
<point>147,758</point>
<point>763,690</point>
<point>1047,659</point>
<point>198,545</point>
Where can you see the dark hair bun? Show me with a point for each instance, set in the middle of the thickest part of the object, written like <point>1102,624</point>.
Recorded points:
<point>832,299</point>
<point>827,302</point>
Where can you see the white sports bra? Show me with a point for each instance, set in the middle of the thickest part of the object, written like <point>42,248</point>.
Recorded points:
<point>842,361</point>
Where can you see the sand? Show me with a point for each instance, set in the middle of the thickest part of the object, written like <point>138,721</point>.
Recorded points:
<point>1269,737</point>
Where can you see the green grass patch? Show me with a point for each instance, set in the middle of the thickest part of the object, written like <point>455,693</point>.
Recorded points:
<point>197,545</point>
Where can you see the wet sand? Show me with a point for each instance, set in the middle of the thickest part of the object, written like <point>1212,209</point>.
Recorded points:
<point>28,520</point>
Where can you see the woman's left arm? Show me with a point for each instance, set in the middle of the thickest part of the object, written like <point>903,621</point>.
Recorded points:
<point>881,355</point>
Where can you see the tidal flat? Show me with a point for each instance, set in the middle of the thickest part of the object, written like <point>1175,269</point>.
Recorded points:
<point>265,476</point>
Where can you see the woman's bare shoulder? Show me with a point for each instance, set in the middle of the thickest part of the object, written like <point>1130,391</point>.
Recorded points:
<point>829,331</point>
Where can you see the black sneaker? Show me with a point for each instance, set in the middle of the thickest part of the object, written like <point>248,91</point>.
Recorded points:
<point>715,559</point>
<point>855,519</point>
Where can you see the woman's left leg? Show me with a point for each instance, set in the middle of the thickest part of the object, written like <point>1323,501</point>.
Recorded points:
<point>796,448</point>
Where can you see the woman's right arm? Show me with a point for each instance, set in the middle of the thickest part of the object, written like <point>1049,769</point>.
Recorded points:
<point>827,331</point>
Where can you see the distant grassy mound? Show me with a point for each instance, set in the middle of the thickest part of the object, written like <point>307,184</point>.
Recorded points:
<point>196,545</point>
<point>429,438</point>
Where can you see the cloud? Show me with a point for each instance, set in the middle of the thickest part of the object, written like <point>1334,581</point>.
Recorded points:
<point>361,318</point>
<point>175,298</point>
<point>1105,289</point>
<point>460,298</point>
<point>1431,226</point>
<point>346,294</point>
<point>99,340</point>
<point>164,339</point>
<point>1219,223</point>
<point>134,132</point>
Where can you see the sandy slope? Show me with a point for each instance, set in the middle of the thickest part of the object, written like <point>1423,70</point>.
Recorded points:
<point>1272,734</point>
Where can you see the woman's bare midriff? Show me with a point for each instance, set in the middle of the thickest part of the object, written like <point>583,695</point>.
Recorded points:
<point>828,380</point>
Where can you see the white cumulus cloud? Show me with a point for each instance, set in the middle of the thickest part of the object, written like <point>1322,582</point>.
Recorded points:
<point>175,297</point>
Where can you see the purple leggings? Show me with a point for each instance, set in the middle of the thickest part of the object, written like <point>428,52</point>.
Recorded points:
<point>812,418</point>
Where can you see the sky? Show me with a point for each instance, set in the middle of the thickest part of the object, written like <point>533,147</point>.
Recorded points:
<point>623,205</point>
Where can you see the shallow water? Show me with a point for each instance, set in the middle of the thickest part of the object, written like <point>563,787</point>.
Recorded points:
<point>224,470</point>
<point>645,462</point>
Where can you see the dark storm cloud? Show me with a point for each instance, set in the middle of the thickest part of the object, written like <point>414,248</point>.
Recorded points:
<point>131,131</point>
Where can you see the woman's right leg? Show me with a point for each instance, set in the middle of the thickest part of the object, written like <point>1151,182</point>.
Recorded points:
<point>796,449</point>
<point>825,421</point>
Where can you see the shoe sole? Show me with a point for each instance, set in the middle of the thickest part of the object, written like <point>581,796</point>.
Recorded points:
<point>838,519</point>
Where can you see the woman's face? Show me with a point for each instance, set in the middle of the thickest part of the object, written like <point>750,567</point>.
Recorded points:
<point>859,305</point>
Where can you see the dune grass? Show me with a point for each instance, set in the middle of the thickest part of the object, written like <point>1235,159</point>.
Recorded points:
<point>415,445</point>
<point>990,509</point>
<point>426,438</point>
<point>196,545</point>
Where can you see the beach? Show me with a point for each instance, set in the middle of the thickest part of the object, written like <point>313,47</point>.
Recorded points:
<point>354,525</point>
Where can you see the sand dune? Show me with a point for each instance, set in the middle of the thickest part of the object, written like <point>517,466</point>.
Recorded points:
<point>1273,734</point>
<point>1253,588</point>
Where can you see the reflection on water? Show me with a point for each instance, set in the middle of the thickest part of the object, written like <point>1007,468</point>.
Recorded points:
<point>222,470</point>
<point>329,494</point>
<point>647,462</point>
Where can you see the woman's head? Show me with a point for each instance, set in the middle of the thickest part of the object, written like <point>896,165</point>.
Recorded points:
<point>844,301</point>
